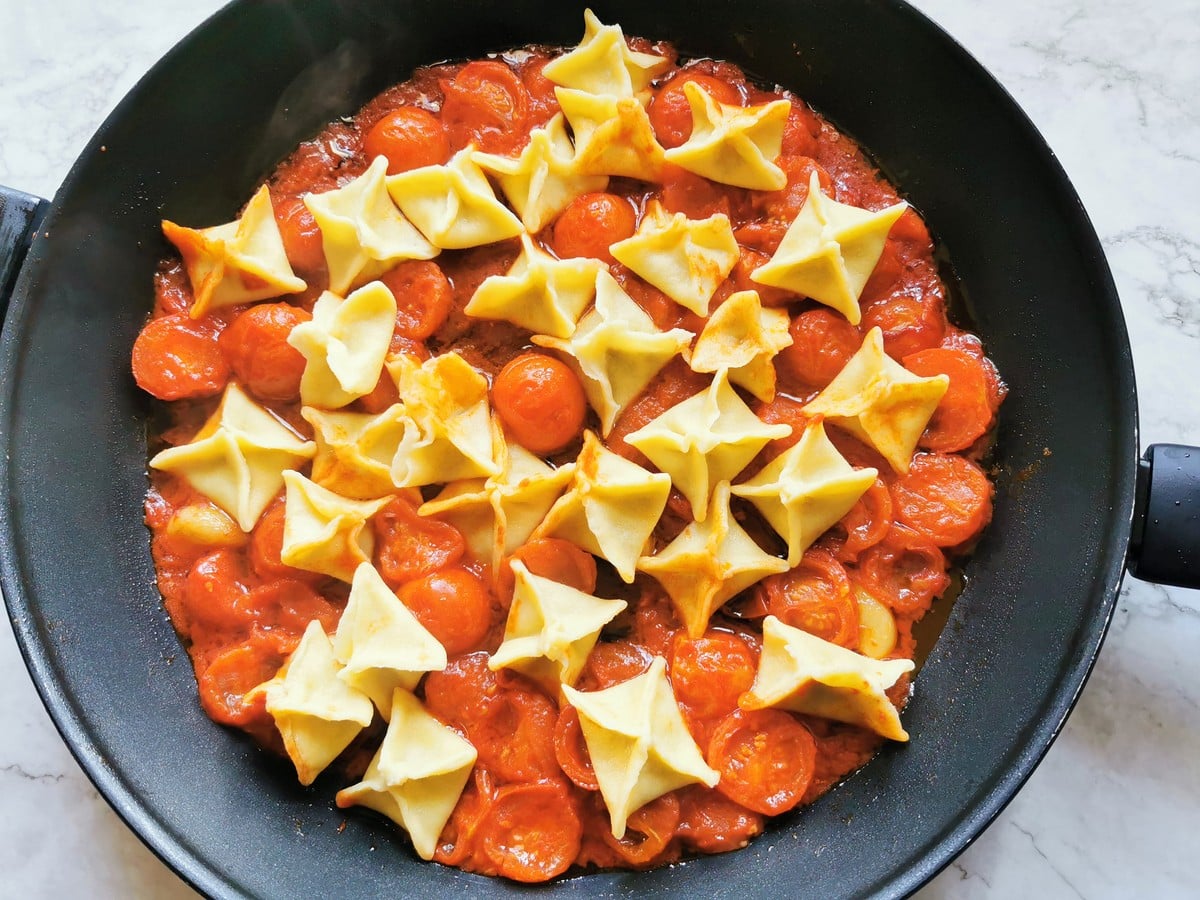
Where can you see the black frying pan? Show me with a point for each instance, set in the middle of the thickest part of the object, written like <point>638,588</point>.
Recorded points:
<point>192,141</point>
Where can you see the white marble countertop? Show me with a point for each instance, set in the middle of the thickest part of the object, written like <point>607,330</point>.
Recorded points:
<point>1114,85</point>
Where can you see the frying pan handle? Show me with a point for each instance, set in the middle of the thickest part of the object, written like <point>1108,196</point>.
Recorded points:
<point>1165,547</point>
<point>20,215</point>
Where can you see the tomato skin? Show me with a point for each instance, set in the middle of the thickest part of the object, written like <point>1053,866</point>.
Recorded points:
<point>531,832</point>
<point>965,412</point>
<point>766,759</point>
<point>540,401</point>
<point>696,197</point>
<point>912,317</point>
<point>867,522</point>
<point>266,545</point>
<point>301,236</point>
<point>215,594</point>
<point>225,681</point>
<point>177,358</point>
<point>515,736</point>
<point>815,597</point>
<point>710,672</point>
<point>453,604</point>
<point>486,105</point>
<point>461,693</point>
<point>712,823</point>
<point>410,138</point>
<point>553,558</point>
<point>649,831</point>
<point>409,546</point>
<point>947,498</point>
<point>613,662</point>
<point>591,224</point>
<point>822,343</point>
<point>255,345</point>
<point>671,113</point>
<point>570,749</point>
<point>905,570</point>
<point>423,295</point>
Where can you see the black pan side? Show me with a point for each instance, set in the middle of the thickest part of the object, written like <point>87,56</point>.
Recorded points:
<point>191,141</point>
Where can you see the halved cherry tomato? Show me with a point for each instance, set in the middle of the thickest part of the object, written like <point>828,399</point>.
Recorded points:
<point>410,138</point>
<point>815,597</point>
<point>696,197</point>
<point>287,606</point>
<point>410,546</point>
<point>965,411</point>
<point>648,831</point>
<point>868,521</point>
<point>655,622</point>
<point>300,234</point>
<point>801,131</point>
<point>423,295</point>
<point>515,736</point>
<point>905,570</point>
<point>556,559</point>
<point>540,401</point>
<point>570,749</point>
<point>947,498</point>
<point>457,843</point>
<point>531,832</point>
<point>256,346</point>
<point>266,545</point>
<point>785,204</point>
<point>712,823</point>
<point>671,113</point>
<point>453,604</point>
<point>543,102</point>
<point>613,662</point>
<point>822,343</point>
<point>766,759</point>
<point>177,358</point>
<point>225,681</point>
<point>214,595</point>
<point>463,691</point>
<point>912,317</point>
<point>486,105</point>
<point>591,224</point>
<point>710,672</point>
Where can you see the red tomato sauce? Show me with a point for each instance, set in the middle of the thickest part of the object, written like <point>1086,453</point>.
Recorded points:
<point>240,611</point>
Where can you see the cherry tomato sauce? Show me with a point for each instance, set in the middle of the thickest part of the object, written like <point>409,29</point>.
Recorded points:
<point>239,611</point>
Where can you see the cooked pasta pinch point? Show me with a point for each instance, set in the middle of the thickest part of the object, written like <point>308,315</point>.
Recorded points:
<point>830,251</point>
<point>613,136</point>
<point>880,402</point>
<point>324,532</point>
<point>544,179</point>
<point>540,293</point>
<point>638,742</point>
<point>237,459</point>
<point>806,489</point>
<point>617,349</point>
<point>238,262</point>
<point>454,205</point>
<point>706,439</point>
<point>610,508</point>
<point>450,431</point>
<point>803,673</point>
<point>355,450</point>
<point>603,63</point>
<point>710,561</point>
<point>317,713</point>
<point>344,345</point>
<point>363,234</point>
<point>417,776</point>
<point>686,259</point>
<point>729,144</point>
<point>551,629</point>
<point>380,644</point>
<point>498,514</point>
<point>743,336</point>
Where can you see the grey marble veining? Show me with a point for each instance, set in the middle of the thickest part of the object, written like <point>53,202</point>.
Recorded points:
<point>1114,85</point>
